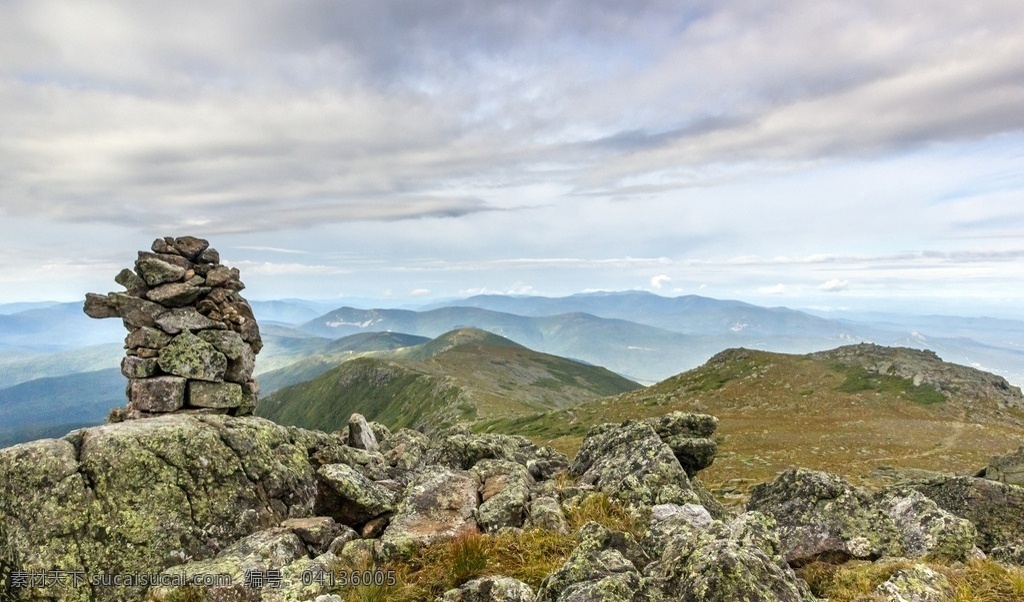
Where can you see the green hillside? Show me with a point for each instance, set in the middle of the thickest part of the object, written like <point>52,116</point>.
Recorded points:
<point>52,406</point>
<point>322,355</point>
<point>463,375</point>
<point>870,413</point>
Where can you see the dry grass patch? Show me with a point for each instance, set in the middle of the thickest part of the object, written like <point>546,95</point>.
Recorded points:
<point>975,581</point>
<point>528,556</point>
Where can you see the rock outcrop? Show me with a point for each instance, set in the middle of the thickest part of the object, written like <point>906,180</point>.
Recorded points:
<point>192,338</point>
<point>1008,468</point>
<point>822,517</point>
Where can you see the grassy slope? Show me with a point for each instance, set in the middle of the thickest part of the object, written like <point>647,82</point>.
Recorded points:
<point>463,375</point>
<point>780,410</point>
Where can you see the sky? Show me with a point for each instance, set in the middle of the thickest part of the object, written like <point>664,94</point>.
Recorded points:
<point>858,154</point>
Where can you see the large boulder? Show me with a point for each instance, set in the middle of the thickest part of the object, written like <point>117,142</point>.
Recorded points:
<point>689,436</point>
<point>458,447</point>
<point>925,529</point>
<point>996,509</point>
<point>438,504</point>
<point>350,497</point>
<point>822,517</point>
<point>918,583</point>
<point>723,562</point>
<point>504,494</point>
<point>1008,468</point>
<point>631,463</point>
<point>140,496</point>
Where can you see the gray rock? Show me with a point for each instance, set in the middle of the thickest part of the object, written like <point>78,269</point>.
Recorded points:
<point>918,583</point>
<point>1009,554</point>
<point>360,435</point>
<point>689,436</point>
<point>631,463</point>
<point>603,566</point>
<point>227,342</point>
<point>133,367</point>
<point>132,283</point>
<point>176,294</point>
<point>491,589</point>
<point>505,493</point>
<point>190,246</point>
<point>546,513</point>
<point>137,496</point>
<point>100,306</point>
<point>405,449</point>
<point>723,562</point>
<point>927,530</point>
<point>822,517</point>
<point>458,447</point>
<point>209,256</point>
<point>202,394</point>
<point>996,509</point>
<point>157,271</point>
<point>317,532</point>
<point>186,318</point>
<point>1008,468</point>
<point>349,497</point>
<point>438,504</point>
<point>135,312</point>
<point>146,336</point>
<point>158,394</point>
<point>191,357</point>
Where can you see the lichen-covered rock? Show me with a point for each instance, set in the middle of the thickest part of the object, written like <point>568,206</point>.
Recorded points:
<point>458,447</point>
<point>137,367</point>
<point>159,394</point>
<point>138,496</point>
<point>603,566</point>
<point>181,319</point>
<point>202,394</point>
<point>317,532</point>
<point>405,449</point>
<point>916,584</point>
<point>1009,554</point>
<point>669,521</point>
<point>822,517</point>
<point>725,562</point>
<point>689,436</point>
<point>156,271</point>
<point>630,463</point>
<point>191,357</point>
<point>546,513</point>
<point>1008,468</point>
<point>267,550</point>
<point>176,294</point>
<point>927,530</point>
<point>491,589</point>
<point>360,435</point>
<point>350,497</point>
<point>438,504</point>
<point>996,509</point>
<point>504,494</point>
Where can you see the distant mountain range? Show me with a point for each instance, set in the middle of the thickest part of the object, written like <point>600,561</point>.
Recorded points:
<point>638,335</point>
<point>463,375</point>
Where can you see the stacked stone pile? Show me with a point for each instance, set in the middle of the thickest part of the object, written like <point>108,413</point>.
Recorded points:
<point>192,338</point>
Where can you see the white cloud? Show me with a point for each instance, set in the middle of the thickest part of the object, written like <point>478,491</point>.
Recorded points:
<point>420,292</point>
<point>834,285</point>
<point>778,289</point>
<point>660,280</point>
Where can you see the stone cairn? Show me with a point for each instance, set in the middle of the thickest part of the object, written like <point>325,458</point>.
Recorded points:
<point>192,338</point>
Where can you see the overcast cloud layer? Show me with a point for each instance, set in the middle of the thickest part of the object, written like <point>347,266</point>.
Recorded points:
<point>865,153</point>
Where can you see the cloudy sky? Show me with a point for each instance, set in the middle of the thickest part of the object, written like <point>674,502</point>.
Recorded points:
<point>863,154</point>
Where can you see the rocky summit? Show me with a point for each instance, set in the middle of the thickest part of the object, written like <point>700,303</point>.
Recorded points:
<point>192,338</point>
